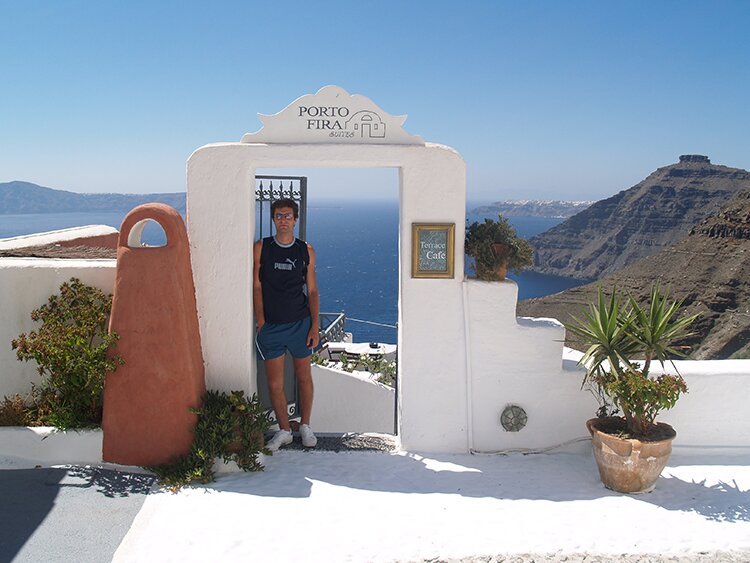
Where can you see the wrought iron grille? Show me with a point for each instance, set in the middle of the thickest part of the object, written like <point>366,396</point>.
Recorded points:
<point>270,188</point>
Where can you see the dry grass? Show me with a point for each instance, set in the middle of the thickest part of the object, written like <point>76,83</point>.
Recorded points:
<point>18,411</point>
<point>14,411</point>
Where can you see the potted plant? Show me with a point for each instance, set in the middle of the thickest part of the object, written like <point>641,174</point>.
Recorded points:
<point>623,339</point>
<point>496,248</point>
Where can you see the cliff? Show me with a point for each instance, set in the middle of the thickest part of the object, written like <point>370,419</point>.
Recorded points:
<point>709,268</point>
<point>652,215</point>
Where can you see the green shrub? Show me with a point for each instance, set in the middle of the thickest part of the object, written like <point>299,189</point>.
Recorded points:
<point>71,349</point>
<point>383,369</point>
<point>230,427</point>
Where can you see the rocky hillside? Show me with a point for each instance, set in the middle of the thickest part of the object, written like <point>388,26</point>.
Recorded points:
<point>25,197</point>
<point>638,222</point>
<point>710,268</point>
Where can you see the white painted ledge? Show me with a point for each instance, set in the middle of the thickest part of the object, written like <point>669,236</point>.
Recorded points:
<point>49,237</point>
<point>45,445</point>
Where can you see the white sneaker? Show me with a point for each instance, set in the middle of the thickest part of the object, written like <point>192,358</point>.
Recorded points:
<point>281,438</point>
<point>308,438</point>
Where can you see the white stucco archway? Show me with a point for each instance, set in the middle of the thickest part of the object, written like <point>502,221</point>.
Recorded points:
<point>432,189</point>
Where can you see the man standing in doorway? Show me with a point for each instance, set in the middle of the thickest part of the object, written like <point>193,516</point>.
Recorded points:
<point>285,297</point>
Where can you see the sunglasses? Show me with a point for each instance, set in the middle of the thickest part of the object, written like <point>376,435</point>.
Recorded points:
<point>280,216</point>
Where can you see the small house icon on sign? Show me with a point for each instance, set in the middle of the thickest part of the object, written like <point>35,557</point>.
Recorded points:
<point>367,124</point>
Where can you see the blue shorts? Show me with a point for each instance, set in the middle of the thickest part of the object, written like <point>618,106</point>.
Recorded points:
<point>273,340</point>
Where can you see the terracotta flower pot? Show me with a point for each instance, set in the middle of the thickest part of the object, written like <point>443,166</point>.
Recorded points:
<point>628,465</point>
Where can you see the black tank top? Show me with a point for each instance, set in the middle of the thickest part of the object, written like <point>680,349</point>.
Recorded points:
<point>283,272</point>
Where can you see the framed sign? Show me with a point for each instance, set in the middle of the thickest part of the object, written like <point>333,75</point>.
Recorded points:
<point>432,246</point>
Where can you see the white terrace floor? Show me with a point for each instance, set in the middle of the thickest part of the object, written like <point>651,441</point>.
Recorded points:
<point>374,506</point>
<point>369,506</point>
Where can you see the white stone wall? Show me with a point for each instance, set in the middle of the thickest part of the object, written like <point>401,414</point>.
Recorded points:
<point>519,362</point>
<point>351,402</point>
<point>45,445</point>
<point>25,284</point>
<point>712,417</point>
<point>522,361</point>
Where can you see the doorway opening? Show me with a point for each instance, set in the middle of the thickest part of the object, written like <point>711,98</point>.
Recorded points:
<point>351,218</point>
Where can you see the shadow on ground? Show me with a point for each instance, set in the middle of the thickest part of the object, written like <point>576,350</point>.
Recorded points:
<point>27,497</point>
<point>556,478</point>
<point>48,514</point>
<point>112,483</point>
<point>720,502</point>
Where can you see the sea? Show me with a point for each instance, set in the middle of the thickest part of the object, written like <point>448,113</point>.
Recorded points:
<point>356,244</point>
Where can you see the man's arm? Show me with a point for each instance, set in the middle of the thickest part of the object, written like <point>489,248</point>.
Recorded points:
<point>313,300</point>
<point>260,318</point>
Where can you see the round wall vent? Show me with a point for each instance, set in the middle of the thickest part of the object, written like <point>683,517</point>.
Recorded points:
<point>513,418</point>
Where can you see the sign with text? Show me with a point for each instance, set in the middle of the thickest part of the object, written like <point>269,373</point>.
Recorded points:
<point>433,246</point>
<point>333,116</point>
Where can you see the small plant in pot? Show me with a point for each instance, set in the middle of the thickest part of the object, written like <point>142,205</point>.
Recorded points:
<point>624,338</point>
<point>496,248</point>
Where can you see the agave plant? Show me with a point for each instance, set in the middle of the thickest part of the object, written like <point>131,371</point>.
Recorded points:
<point>622,340</point>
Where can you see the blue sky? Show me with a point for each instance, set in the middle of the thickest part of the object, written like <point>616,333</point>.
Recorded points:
<point>564,100</point>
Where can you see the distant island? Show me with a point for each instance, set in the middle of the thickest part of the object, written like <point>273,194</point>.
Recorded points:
<point>554,208</point>
<point>24,197</point>
<point>20,197</point>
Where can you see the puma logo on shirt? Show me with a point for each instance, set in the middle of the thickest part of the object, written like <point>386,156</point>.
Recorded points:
<point>284,265</point>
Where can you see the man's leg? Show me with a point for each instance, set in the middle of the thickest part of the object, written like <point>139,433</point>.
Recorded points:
<point>275,376</point>
<point>303,373</point>
<point>302,370</point>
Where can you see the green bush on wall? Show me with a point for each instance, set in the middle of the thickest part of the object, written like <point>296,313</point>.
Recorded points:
<point>481,244</point>
<point>230,427</point>
<point>72,350</point>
